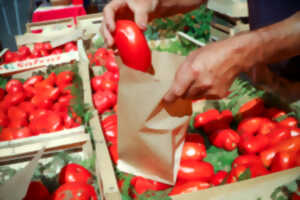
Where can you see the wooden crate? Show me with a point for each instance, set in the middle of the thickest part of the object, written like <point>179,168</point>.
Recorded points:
<point>69,138</point>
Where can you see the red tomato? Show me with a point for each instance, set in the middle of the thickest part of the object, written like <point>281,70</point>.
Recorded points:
<point>194,137</point>
<point>38,46</point>
<point>292,144</point>
<point>274,113</point>
<point>225,138</point>
<point>75,173</point>
<point>100,56</point>
<point>35,54</point>
<point>142,185</point>
<point>250,125</point>
<point>37,191</point>
<point>289,122</point>
<point>23,52</point>
<point>44,53</point>
<point>64,78</point>
<point>46,123</point>
<point>61,107</point>
<point>247,160</point>
<point>65,99</point>
<point>22,133</point>
<point>14,86</point>
<point>110,127</point>
<point>16,113</point>
<point>97,82</point>
<point>253,144</point>
<point>9,56</point>
<point>57,51</point>
<point>227,116</point>
<point>6,134</point>
<point>193,151</point>
<point>132,45</point>
<point>104,100</point>
<point>47,46</point>
<point>195,170</point>
<point>39,102</point>
<point>252,108</point>
<point>2,93</point>
<point>278,135</point>
<point>36,113</point>
<point>69,122</point>
<point>113,150</point>
<point>235,173</point>
<point>3,119</point>
<point>219,177</point>
<point>33,80</point>
<point>283,160</point>
<point>27,107</point>
<point>191,186</point>
<point>75,191</point>
<point>206,117</point>
<point>267,127</point>
<point>70,46</point>
<point>111,65</point>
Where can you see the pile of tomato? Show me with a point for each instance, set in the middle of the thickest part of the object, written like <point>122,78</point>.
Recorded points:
<point>75,183</point>
<point>39,50</point>
<point>37,106</point>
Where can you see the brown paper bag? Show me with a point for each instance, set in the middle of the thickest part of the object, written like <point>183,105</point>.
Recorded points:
<point>151,133</point>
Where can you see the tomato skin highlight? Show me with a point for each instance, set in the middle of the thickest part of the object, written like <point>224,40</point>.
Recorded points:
<point>247,160</point>
<point>206,117</point>
<point>227,139</point>
<point>195,170</point>
<point>283,160</point>
<point>132,45</point>
<point>74,173</point>
<point>289,122</point>
<point>193,151</point>
<point>188,187</point>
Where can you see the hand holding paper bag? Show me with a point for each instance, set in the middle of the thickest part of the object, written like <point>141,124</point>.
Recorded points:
<point>151,133</point>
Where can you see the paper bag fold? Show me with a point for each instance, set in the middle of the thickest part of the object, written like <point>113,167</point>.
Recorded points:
<point>150,132</point>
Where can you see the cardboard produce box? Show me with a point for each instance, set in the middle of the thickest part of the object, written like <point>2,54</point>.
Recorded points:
<point>64,139</point>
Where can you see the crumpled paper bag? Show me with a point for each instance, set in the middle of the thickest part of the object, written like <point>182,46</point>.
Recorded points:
<point>150,132</point>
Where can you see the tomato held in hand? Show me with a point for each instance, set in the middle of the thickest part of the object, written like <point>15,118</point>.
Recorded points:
<point>75,191</point>
<point>132,45</point>
<point>191,186</point>
<point>37,191</point>
<point>193,151</point>
<point>75,173</point>
<point>195,170</point>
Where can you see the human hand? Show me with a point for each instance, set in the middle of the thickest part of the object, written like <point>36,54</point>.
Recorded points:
<point>140,9</point>
<point>209,71</point>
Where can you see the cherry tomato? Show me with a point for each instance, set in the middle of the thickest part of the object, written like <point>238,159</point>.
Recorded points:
<point>13,86</point>
<point>37,191</point>
<point>47,46</point>
<point>23,52</point>
<point>250,125</point>
<point>188,187</point>
<point>289,122</point>
<point>219,177</point>
<point>235,173</point>
<point>252,108</point>
<point>267,126</point>
<point>75,191</point>
<point>57,51</point>
<point>9,56</point>
<point>194,137</point>
<point>37,113</point>
<point>27,107</point>
<point>97,82</point>
<point>132,45</point>
<point>195,170</point>
<point>75,173</point>
<point>33,80</point>
<point>111,65</point>
<point>38,46</point>
<point>254,144</point>
<point>100,57</point>
<point>193,151</point>
<point>278,135</point>
<point>110,127</point>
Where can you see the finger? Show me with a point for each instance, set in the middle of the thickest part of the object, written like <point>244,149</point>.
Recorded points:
<point>109,13</point>
<point>107,35</point>
<point>183,80</point>
<point>141,19</point>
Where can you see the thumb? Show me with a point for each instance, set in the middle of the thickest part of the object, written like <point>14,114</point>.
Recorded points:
<point>141,19</point>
